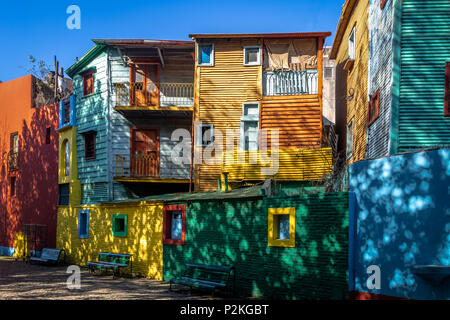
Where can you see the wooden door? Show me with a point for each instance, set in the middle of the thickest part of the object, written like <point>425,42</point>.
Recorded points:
<point>145,153</point>
<point>144,88</point>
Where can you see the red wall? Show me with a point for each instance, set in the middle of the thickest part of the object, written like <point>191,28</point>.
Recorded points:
<point>37,177</point>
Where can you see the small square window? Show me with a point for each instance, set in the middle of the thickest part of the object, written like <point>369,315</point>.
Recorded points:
<point>83,224</point>
<point>205,54</point>
<point>89,144</point>
<point>174,224</point>
<point>374,107</point>
<point>13,186</point>
<point>281,231</point>
<point>48,133</point>
<point>64,194</point>
<point>88,83</point>
<point>252,56</point>
<point>205,135</point>
<point>328,72</point>
<point>120,225</point>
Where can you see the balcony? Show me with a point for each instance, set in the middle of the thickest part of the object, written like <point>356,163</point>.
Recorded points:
<point>13,161</point>
<point>148,168</point>
<point>155,95</point>
<point>290,83</point>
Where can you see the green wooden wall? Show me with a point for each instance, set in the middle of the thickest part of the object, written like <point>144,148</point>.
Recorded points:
<point>234,232</point>
<point>425,47</point>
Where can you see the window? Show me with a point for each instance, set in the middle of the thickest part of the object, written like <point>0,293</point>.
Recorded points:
<point>351,45</point>
<point>66,158</point>
<point>252,56</point>
<point>13,186</point>
<point>328,72</point>
<point>374,107</point>
<point>382,4</point>
<point>89,144</point>
<point>205,54</point>
<point>174,224</point>
<point>249,126</point>
<point>281,231</point>
<point>14,143</point>
<point>350,139</point>
<point>205,135</point>
<point>83,224</point>
<point>120,225</point>
<point>48,133</point>
<point>88,83</point>
<point>67,111</point>
<point>64,193</point>
<point>447,90</point>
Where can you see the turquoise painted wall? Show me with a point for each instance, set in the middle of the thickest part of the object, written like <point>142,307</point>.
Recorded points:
<point>234,232</point>
<point>425,47</point>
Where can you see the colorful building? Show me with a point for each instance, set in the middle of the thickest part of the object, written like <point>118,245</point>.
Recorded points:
<point>393,77</point>
<point>28,168</point>
<point>129,98</point>
<point>248,87</point>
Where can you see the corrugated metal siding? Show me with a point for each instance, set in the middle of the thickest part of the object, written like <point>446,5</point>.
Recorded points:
<point>298,119</point>
<point>222,91</point>
<point>380,76</point>
<point>425,47</point>
<point>91,113</point>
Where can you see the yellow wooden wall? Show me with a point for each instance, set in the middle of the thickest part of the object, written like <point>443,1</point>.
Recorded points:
<point>357,78</point>
<point>220,92</point>
<point>143,241</point>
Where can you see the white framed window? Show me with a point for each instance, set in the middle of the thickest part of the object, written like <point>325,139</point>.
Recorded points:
<point>252,56</point>
<point>351,44</point>
<point>249,127</point>
<point>205,135</point>
<point>349,150</point>
<point>205,54</point>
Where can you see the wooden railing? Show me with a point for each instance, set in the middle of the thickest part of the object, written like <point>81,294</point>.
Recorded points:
<point>148,166</point>
<point>292,165</point>
<point>13,161</point>
<point>161,94</point>
<point>294,82</point>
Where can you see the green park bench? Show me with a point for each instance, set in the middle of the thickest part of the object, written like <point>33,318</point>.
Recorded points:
<point>111,261</point>
<point>209,277</point>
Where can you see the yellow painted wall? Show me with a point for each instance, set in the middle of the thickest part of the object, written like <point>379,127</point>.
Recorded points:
<point>221,91</point>
<point>294,165</point>
<point>357,78</point>
<point>69,134</point>
<point>143,241</point>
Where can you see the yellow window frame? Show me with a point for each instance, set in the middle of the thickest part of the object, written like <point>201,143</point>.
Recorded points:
<point>273,228</point>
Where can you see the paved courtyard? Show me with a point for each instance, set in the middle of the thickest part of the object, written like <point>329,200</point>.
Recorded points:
<point>19,280</point>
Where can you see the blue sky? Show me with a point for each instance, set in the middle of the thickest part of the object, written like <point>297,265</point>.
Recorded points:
<point>39,27</point>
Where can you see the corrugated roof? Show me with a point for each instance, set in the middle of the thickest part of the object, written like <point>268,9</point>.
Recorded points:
<point>296,35</point>
<point>143,43</point>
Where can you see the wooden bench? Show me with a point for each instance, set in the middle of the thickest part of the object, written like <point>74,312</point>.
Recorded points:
<point>48,256</point>
<point>111,261</point>
<point>201,276</point>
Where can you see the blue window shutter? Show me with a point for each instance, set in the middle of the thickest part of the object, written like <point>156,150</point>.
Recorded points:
<point>73,119</point>
<point>61,114</point>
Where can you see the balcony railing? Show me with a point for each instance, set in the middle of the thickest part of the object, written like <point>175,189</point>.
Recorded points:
<point>13,161</point>
<point>161,94</point>
<point>146,166</point>
<point>290,83</point>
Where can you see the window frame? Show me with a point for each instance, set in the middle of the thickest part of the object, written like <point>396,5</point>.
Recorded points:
<point>374,103</point>
<point>258,62</point>
<point>325,74</point>
<point>211,61</point>
<point>80,234</point>
<point>12,144</point>
<point>85,75</point>
<point>13,186</point>
<point>61,186</point>
<point>85,135</point>
<point>349,153</point>
<point>120,234</point>
<point>272,229</point>
<point>447,90</point>
<point>167,225</point>
<point>353,32</point>
<point>200,134</point>
<point>249,118</point>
